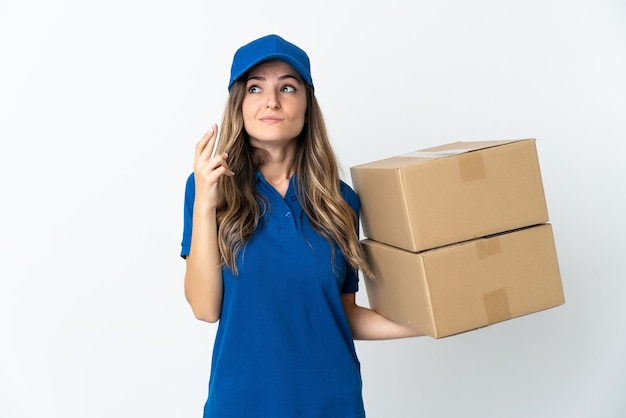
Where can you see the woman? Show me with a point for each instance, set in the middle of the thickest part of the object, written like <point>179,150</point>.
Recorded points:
<point>272,249</point>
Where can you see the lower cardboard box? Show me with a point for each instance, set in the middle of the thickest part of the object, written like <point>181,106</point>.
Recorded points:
<point>465,286</point>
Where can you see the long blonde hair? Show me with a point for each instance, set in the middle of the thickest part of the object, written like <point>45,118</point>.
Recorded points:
<point>319,192</point>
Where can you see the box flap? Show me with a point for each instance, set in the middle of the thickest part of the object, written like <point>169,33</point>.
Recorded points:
<point>428,154</point>
<point>459,147</point>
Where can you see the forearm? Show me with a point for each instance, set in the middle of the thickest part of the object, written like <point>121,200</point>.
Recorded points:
<point>367,324</point>
<point>203,276</point>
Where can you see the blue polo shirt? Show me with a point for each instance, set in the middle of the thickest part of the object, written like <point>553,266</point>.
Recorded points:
<point>283,347</point>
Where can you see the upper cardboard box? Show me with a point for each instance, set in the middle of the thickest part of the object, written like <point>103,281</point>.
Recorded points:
<point>451,193</point>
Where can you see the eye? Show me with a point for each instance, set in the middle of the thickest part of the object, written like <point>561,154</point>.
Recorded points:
<point>288,89</point>
<point>254,89</point>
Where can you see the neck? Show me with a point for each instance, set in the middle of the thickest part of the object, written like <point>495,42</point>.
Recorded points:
<point>277,174</point>
<point>278,162</point>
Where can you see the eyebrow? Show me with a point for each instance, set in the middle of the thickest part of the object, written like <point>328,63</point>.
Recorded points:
<point>281,78</point>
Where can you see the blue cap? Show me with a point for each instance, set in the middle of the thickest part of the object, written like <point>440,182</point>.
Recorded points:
<point>270,47</point>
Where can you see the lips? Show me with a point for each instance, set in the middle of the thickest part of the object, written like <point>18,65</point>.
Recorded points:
<point>271,120</point>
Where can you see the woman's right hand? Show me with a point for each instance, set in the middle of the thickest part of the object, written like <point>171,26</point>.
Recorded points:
<point>207,170</point>
<point>203,275</point>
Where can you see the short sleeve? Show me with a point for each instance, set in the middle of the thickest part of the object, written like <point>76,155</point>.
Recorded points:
<point>351,282</point>
<point>190,194</point>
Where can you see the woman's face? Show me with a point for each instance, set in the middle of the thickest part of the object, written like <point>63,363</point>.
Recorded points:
<point>274,104</point>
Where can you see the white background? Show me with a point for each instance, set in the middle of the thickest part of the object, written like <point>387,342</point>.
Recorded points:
<point>101,103</point>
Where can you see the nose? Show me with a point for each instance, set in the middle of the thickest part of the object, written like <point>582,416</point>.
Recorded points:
<point>272,100</point>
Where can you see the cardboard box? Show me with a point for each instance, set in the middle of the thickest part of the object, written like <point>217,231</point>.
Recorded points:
<point>465,286</point>
<point>451,193</point>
